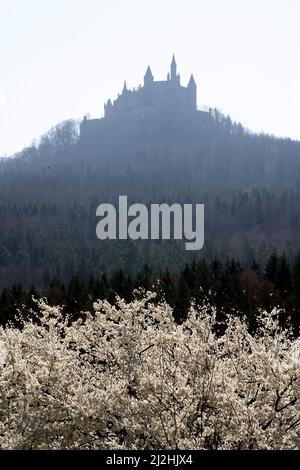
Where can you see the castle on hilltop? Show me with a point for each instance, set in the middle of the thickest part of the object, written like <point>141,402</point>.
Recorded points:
<point>163,98</point>
<point>168,94</point>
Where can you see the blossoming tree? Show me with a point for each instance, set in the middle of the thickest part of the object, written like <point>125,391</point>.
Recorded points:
<point>128,377</point>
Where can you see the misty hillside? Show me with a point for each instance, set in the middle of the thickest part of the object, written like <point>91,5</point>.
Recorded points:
<point>143,155</point>
<point>249,184</point>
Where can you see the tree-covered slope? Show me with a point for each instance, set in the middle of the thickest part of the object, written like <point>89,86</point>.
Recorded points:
<point>49,193</point>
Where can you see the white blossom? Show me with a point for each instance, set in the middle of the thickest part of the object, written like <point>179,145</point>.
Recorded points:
<point>128,377</point>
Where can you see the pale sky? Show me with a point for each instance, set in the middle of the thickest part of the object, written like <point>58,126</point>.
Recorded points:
<point>61,59</point>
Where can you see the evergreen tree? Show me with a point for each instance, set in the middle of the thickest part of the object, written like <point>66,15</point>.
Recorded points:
<point>271,270</point>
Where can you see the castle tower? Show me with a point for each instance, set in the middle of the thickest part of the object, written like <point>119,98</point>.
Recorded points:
<point>192,91</point>
<point>148,78</point>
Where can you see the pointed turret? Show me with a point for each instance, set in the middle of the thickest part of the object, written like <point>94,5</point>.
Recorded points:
<point>125,87</point>
<point>107,108</point>
<point>192,83</point>
<point>192,92</point>
<point>148,78</point>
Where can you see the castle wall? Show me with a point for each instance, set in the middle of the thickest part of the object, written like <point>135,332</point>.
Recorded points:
<point>157,94</point>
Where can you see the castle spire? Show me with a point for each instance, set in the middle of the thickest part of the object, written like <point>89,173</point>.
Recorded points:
<point>125,87</point>
<point>148,72</point>
<point>148,78</point>
<point>173,68</point>
<point>192,82</point>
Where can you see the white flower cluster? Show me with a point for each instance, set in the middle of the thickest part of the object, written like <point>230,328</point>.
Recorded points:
<point>129,377</point>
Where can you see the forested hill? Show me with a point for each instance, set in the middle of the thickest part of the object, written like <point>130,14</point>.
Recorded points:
<point>150,154</point>
<point>249,184</point>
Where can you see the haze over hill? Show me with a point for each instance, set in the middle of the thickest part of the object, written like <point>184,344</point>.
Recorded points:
<point>159,150</point>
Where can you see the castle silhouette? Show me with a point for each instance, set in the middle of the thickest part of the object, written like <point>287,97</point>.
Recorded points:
<point>155,94</point>
<point>154,98</point>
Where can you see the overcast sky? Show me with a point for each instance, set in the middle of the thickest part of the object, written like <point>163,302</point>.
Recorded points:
<point>61,59</point>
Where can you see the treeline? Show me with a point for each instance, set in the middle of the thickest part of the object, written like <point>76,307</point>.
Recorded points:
<point>228,286</point>
<point>41,241</point>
